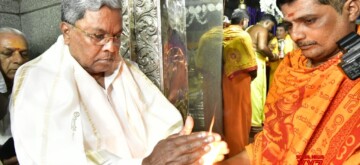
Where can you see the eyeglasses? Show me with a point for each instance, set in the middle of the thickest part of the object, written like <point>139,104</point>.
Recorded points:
<point>101,39</point>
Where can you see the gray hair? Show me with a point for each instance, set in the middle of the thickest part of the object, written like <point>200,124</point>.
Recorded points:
<point>74,10</point>
<point>238,15</point>
<point>12,31</point>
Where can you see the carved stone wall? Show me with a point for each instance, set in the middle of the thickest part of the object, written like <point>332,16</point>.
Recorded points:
<point>141,27</point>
<point>126,45</point>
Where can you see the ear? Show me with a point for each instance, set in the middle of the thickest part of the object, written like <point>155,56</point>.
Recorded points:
<point>352,7</point>
<point>65,30</point>
<point>269,23</point>
<point>241,23</point>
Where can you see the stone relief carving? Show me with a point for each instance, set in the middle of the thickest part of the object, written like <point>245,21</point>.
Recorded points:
<point>125,48</point>
<point>147,39</point>
<point>141,41</point>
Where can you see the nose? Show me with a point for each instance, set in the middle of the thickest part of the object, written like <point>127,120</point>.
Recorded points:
<point>297,33</point>
<point>18,58</point>
<point>111,46</point>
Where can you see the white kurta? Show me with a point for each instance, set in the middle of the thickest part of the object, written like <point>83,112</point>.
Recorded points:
<point>60,115</point>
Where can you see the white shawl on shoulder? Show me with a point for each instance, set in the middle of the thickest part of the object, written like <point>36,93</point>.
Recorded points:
<point>60,115</point>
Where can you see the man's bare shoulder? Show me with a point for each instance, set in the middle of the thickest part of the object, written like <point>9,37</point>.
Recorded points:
<point>259,28</point>
<point>255,29</point>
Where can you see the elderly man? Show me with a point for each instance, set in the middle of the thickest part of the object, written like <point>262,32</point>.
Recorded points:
<point>81,103</point>
<point>312,109</point>
<point>13,53</point>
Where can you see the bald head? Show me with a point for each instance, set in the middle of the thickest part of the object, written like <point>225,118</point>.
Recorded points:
<point>8,31</point>
<point>12,31</point>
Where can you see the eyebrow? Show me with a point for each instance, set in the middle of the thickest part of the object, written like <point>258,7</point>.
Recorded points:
<point>104,31</point>
<point>14,49</point>
<point>300,18</point>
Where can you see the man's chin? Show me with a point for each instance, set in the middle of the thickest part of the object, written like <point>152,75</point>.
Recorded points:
<point>11,77</point>
<point>104,69</point>
<point>309,53</point>
<point>11,74</point>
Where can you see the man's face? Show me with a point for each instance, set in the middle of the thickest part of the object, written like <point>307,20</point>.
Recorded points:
<point>280,32</point>
<point>315,28</point>
<point>95,58</point>
<point>13,53</point>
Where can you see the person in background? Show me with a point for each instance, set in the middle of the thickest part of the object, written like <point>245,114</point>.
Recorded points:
<point>13,53</point>
<point>239,69</point>
<point>280,45</point>
<point>260,36</point>
<point>226,21</point>
<point>94,107</point>
<point>312,109</point>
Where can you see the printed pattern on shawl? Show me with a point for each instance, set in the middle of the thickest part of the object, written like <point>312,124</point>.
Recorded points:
<point>322,103</point>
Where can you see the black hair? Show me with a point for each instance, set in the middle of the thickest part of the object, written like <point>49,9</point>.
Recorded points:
<point>284,25</point>
<point>337,4</point>
<point>268,17</point>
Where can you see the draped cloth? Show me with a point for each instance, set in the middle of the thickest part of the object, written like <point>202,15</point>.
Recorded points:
<point>237,111</point>
<point>312,114</point>
<point>239,60</point>
<point>239,56</point>
<point>258,92</point>
<point>61,115</point>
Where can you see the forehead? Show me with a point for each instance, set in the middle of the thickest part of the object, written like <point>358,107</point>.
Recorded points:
<point>11,40</point>
<point>280,28</point>
<point>300,8</point>
<point>104,17</point>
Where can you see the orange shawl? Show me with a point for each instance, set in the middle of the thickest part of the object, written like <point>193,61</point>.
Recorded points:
<point>312,116</point>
